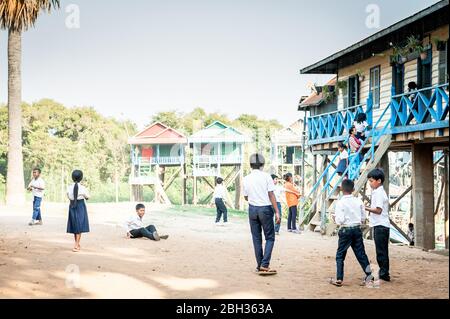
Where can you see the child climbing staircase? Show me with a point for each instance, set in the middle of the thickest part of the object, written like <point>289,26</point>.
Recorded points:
<point>376,145</point>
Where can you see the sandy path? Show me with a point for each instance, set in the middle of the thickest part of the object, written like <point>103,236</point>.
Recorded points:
<point>199,260</point>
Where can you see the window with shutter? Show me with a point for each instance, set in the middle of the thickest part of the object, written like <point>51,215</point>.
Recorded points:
<point>443,67</point>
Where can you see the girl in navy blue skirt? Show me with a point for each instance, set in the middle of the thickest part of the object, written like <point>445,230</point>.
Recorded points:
<point>343,159</point>
<point>78,219</point>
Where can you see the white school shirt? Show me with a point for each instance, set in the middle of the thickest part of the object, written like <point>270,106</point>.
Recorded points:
<point>349,211</point>
<point>39,182</point>
<point>82,192</point>
<point>219,191</point>
<point>360,127</point>
<point>133,222</point>
<point>256,186</point>
<point>343,155</point>
<point>379,199</point>
<point>278,192</point>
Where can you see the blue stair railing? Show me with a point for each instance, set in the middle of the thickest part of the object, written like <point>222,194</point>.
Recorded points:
<point>355,164</point>
<point>428,109</point>
<point>346,117</point>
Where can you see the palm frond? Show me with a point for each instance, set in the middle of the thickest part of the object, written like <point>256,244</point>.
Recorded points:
<point>19,15</point>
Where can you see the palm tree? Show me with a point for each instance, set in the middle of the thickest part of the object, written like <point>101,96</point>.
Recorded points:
<point>17,16</point>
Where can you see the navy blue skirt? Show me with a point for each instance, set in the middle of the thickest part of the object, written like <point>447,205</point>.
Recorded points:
<point>78,221</point>
<point>342,166</point>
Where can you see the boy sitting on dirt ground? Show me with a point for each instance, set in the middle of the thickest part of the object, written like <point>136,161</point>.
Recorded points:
<point>136,229</point>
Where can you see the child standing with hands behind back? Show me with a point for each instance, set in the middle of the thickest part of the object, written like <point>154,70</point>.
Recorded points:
<point>78,219</point>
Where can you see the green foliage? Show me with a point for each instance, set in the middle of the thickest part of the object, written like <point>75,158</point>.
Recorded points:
<point>59,139</point>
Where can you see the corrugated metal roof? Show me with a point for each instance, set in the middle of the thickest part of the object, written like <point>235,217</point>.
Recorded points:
<point>216,132</point>
<point>158,133</point>
<point>330,64</point>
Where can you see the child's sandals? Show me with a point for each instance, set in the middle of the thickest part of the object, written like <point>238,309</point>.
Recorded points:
<point>76,249</point>
<point>337,283</point>
<point>266,271</point>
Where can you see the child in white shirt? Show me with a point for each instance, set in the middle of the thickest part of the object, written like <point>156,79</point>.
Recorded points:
<point>349,215</point>
<point>379,221</point>
<point>361,125</point>
<point>36,186</point>
<point>135,227</point>
<point>343,159</point>
<point>219,197</point>
<point>258,190</point>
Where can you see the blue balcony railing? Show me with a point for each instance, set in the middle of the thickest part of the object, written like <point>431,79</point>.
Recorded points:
<point>420,110</point>
<point>330,127</point>
<point>161,160</point>
<point>218,159</point>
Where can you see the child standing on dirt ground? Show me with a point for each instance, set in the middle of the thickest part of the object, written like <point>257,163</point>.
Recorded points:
<point>350,215</point>
<point>219,197</point>
<point>278,192</point>
<point>292,196</point>
<point>379,221</point>
<point>135,227</point>
<point>36,186</point>
<point>411,234</point>
<point>78,221</point>
<point>258,190</point>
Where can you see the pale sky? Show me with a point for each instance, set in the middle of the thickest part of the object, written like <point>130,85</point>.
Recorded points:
<point>132,58</point>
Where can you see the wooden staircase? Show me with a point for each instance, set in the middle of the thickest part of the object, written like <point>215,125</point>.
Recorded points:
<point>328,227</point>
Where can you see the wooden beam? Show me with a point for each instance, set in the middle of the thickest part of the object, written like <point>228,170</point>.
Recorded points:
<point>194,198</point>
<point>207,182</point>
<point>440,196</point>
<point>446,200</point>
<point>238,184</point>
<point>172,178</point>
<point>401,196</point>
<point>399,230</point>
<point>229,178</point>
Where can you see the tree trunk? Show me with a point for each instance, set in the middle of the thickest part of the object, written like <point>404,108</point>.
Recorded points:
<point>15,188</point>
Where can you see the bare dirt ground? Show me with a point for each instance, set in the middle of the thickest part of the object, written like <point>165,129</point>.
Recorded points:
<point>199,260</point>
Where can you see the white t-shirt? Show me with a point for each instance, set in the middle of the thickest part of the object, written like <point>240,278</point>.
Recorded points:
<point>343,154</point>
<point>278,192</point>
<point>39,182</point>
<point>82,192</point>
<point>133,222</point>
<point>219,191</point>
<point>379,199</point>
<point>256,186</point>
<point>349,211</point>
<point>360,127</point>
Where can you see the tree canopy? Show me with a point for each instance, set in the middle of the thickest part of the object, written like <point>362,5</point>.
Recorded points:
<point>58,139</point>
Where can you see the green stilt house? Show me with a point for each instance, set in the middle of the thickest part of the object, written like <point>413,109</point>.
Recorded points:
<point>215,147</point>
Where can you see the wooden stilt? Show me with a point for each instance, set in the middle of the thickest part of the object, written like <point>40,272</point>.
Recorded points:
<point>423,195</point>
<point>183,185</point>
<point>446,198</point>
<point>323,208</point>
<point>238,184</point>
<point>194,200</point>
<point>314,178</point>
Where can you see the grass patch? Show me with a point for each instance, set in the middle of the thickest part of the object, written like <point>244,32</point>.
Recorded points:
<point>187,210</point>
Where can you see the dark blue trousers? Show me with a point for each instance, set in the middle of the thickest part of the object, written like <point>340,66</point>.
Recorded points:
<point>261,220</point>
<point>37,208</point>
<point>351,237</point>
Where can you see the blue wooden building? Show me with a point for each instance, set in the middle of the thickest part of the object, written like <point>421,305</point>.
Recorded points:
<point>398,77</point>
